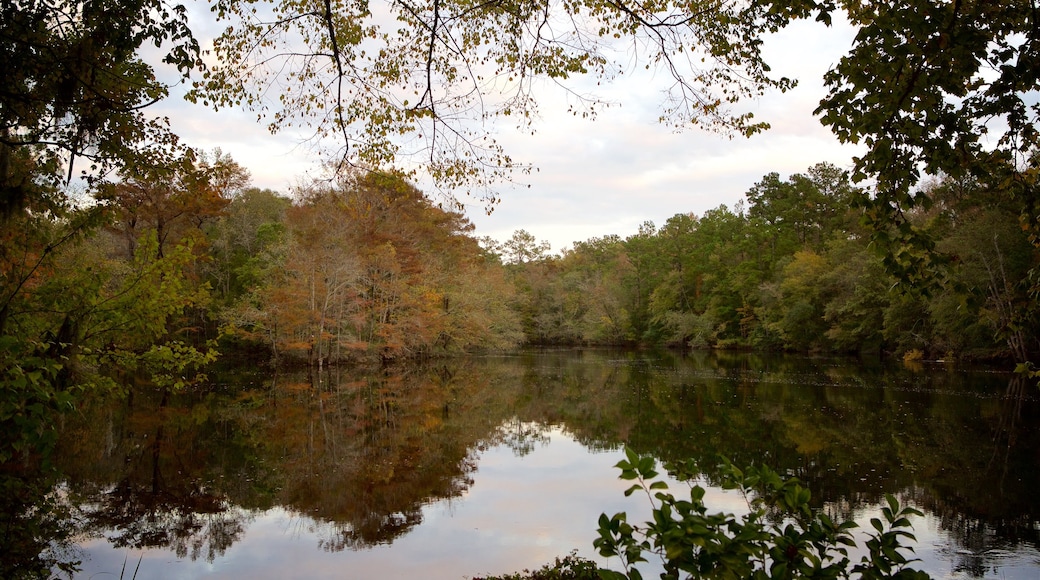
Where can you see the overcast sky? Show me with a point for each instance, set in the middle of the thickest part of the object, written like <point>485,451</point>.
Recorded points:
<point>599,177</point>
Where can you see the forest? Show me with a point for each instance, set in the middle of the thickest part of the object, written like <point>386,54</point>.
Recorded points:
<point>127,252</point>
<point>794,267</point>
<point>187,263</point>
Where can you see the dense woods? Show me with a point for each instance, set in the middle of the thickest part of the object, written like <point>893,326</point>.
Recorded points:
<point>194,260</point>
<point>792,268</point>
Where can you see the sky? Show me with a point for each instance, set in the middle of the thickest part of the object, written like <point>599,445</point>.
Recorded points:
<point>594,177</point>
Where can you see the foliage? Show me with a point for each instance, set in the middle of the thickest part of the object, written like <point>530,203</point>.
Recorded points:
<point>913,89</point>
<point>371,268</point>
<point>795,270</point>
<point>75,88</point>
<point>431,81</point>
<point>930,88</point>
<point>522,247</point>
<point>246,242</point>
<point>28,402</point>
<point>175,365</point>
<point>173,201</point>
<point>779,537</point>
<point>936,88</point>
<point>570,567</point>
<point>73,316</point>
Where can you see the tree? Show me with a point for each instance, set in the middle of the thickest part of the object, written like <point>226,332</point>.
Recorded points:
<point>858,289</point>
<point>245,241</point>
<point>75,88</point>
<point>802,211</point>
<point>641,269</point>
<point>916,88</point>
<point>372,269</point>
<point>939,88</point>
<point>800,301</point>
<point>522,247</point>
<point>929,88</point>
<point>431,81</point>
<point>173,201</point>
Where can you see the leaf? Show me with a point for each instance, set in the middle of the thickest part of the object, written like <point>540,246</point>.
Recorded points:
<point>893,504</point>
<point>877,525</point>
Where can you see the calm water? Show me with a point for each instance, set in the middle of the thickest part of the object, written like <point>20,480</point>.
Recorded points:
<point>496,464</point>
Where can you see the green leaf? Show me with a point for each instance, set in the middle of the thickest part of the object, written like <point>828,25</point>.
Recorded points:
<point>877,524</point>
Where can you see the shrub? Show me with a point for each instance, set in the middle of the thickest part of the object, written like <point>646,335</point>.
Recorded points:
<point>572,567</point>
<point>781,536</point>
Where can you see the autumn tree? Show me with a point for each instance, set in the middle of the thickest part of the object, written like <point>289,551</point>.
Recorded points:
<point>373,269</point>
<point>173,201</point>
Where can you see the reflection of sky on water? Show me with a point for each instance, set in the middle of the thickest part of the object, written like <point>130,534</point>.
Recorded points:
<point>944,560</point>
<point>520,513</point>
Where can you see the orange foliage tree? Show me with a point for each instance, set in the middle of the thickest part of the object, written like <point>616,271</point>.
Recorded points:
<point>374,269</point>
<point>173,200</point>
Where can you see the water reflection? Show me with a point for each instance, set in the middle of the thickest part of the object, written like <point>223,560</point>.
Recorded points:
<point>362,462</point>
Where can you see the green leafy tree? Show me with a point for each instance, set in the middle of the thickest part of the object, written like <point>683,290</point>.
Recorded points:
<point>244,242</point>
<point>803,211</point>
<point>858,294</point>
<point>75,88</point>
<point>800,301</point>
<point>523,247</point>
<point>595,276</point>
<point>643,268</point>
<point>990,303</point>
<point>935,88</point>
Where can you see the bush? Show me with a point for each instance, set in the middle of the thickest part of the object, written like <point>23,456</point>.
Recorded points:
<point>572,567</point>
<point>779,537</point>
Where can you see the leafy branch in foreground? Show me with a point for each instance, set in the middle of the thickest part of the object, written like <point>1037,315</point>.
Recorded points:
<point>781,536</point>
<point>570,567</point>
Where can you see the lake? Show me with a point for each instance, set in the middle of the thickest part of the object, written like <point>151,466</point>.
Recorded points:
<point>490,465</point>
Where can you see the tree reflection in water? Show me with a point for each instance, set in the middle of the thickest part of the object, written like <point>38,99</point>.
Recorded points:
<point>358,455</point>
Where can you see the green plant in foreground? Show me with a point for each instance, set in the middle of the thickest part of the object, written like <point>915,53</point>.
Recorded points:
<point>570,567</point>
<point>779,537</point>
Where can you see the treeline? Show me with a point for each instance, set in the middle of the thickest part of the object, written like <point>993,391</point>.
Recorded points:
<point>174,266</point>
<point>793,268</point>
